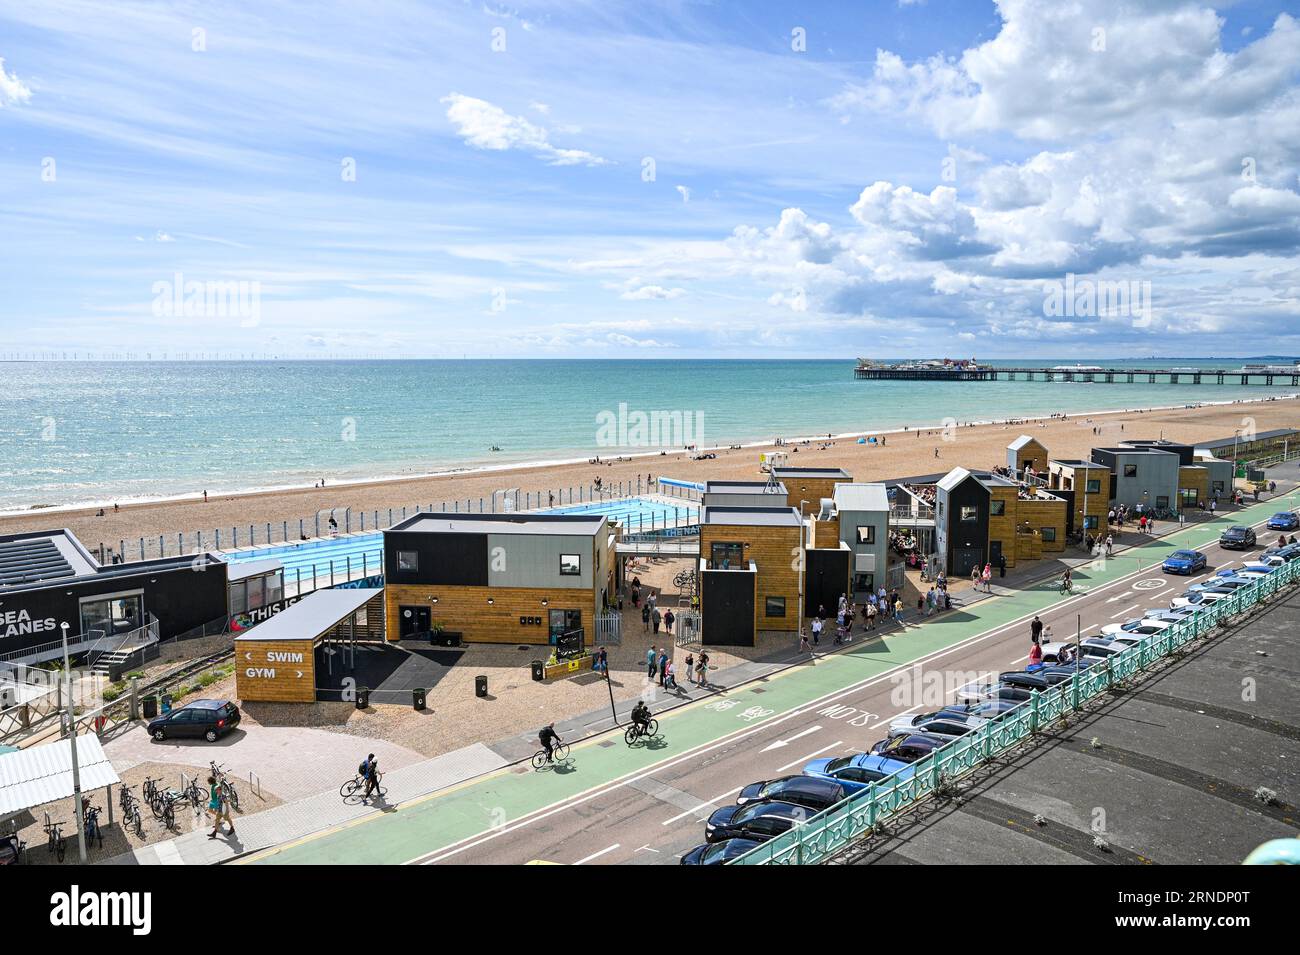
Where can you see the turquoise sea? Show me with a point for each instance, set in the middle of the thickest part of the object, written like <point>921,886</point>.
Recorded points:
<point>94,432</point>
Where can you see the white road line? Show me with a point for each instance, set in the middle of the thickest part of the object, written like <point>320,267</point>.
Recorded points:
<point>469,842</point>
<point>1124,611</point>
<point>800,762</point>
<point>703,805</point>
<point>890,719</point>
<point>597,855</point>
<point>786,742</point>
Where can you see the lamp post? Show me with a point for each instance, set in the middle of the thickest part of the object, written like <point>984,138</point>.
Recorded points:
<point>72,742</point>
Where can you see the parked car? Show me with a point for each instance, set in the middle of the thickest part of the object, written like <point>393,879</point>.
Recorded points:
<point>858,771</point>
<point>908,749</point>
<point>759,821</point>
<point>1284,521</point>
<point>1201,598</point>
<point>719,853</point>
<point>986,690</point>
<point>1184,562</point>
<point>987,709</point>
<point>1237,537</point>
<point>1288,553</point>
<point>202,719</point>
<point>1259,567</point>
<point>1271,561</point>
<point>814,794</point>
<point>948,724</point>
<point>1138,626</point>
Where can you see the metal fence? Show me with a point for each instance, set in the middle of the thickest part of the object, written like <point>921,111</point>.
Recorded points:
<point>271,533</point>
<point>828,833</point>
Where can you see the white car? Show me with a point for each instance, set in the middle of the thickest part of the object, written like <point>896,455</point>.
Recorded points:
<point>1139,627</point>
<point>948,724</point>
<point>1200,598</point>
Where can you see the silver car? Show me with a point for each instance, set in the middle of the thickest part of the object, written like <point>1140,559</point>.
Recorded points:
<point>949,725</point>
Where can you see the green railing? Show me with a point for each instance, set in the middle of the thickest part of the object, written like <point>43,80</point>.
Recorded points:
<point>829,832</point>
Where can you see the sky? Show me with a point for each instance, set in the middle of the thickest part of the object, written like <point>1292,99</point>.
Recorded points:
<point>925,178</point>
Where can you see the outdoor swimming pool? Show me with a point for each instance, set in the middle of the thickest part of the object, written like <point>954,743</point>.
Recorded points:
<point>320,563</point>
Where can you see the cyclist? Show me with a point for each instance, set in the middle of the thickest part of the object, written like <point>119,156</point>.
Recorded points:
<point>641,716</point>
<point>549,738</point>
<point>372,776</point>
<point>1067,582</point>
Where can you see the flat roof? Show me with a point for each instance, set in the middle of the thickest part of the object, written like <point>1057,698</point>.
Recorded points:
<point>1122,449</point>
<point>1259,436</point>
<point>861,497</point>
<point>743,487</point>
<point>445,522</point>
<point>793,471</point>
<point>1090,465</point>
<point>32,560</point>
<point>253,568</point>
<point>41,774</point>
<point>752,516</point>
<point>313,615</point>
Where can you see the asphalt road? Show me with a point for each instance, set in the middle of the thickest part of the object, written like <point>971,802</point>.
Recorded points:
<point>614,804</point>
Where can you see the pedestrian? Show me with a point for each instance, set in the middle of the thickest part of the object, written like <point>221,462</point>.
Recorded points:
<point>604,661</point>
<point>372,778</point>
<point>205,499</point>
<point>803,643</point>
<point>214,806</point>
<point>817,631</point>
<point>1036,629</point>
<point>1110,545</point>
<point>975,576</point>
<point>668,622</point>
<point>651,657</point>
<point>1002,565</point>
<point>645,618</point>
<point>690,668</point>
<point>871,615</point>
<point>663,666</point>
<point>702,669</point>
<point>657,618</point>
<point>1035,655</point>
<point>898,612</point>
<point>670,677</point>
<point>987,577</point>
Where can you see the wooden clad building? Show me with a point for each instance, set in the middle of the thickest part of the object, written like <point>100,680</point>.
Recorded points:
<point>764,541</point>
<point>497,578</point>
<point>809,485</point>
<point>1089,483</point>
<point>1026,452</point>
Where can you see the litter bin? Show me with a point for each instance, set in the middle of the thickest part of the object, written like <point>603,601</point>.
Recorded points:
<point>539,671</point>
<point>363,697</point>
<point>480,685</point>
<point>166,703</point>
<point>150,707</point>
<point>417,698</point>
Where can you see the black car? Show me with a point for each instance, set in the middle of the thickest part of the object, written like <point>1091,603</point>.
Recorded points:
<point>908,749</point>
<point>1237,537</point>
<point>202,719</point>
<point>719,853</point>
<point>807,791</point>
<point>760,820</point>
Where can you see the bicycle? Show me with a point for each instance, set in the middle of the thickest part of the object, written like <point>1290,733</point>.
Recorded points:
<point>635,731</point>
<point>11,849</point>
<point>149,789</point>
<point>131,812</point>
<point>229,794</point>
<point>358,784</point>
<point>55,843</point>
<point>1067,588</point>
<point>90,824</point>
<point>559,754</point>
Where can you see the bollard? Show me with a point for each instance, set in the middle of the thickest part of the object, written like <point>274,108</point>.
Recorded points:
<point>480,686</point>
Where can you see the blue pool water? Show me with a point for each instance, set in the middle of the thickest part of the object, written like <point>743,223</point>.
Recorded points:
<point>357,555</point>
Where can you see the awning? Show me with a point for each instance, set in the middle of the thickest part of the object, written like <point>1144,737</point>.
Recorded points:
<point>31,777</point>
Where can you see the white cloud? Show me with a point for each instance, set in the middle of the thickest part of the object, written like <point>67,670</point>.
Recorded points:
<point>12,89</point>
<point>486,126</point>
<point>645,292</point>
<point>684,192</point>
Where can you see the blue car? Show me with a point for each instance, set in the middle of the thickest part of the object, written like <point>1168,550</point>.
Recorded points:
<point>856,773</point>
<point>1184,562</point>
<point>1283,521</point>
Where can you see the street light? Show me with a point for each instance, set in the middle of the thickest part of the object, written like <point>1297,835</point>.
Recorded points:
<point>803,557</point>
<point>72,740</point>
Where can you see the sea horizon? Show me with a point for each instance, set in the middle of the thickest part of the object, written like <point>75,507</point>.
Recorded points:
<point>95,433</point>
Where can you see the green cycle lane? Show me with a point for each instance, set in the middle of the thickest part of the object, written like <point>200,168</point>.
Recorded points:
<point>478,807</point>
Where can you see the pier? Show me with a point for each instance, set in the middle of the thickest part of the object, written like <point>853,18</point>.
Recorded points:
<point>1128,376</point>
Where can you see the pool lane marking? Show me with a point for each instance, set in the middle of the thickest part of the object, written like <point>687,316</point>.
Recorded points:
<point>545,811</point>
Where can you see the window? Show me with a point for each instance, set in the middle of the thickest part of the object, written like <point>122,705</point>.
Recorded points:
<point>1130,470</point>
<point>1090,522</point>
<point>726,554</point>
<point>408,560</point>
<point>238,597</point>
<point>570,565</point>
<point>774,606</point>
<point>1049,534</point>
<point>969,513</point>
<point>1218,487</point>
<point>997,508</point>
<point>1093,486</point>
<point>867,534</point>
<point>1163,501</point>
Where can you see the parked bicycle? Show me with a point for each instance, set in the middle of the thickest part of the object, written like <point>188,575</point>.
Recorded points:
<point>559,754</point>
<point>54,838</point>
<point>90,823</point>
<point>149,789</point>
<point>11,849</point>
<point>636,731</point>
<point>229,794</point>
<point>131,816</point>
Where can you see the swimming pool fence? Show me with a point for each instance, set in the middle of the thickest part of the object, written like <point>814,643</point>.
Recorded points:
<point>269,533</point>
<point>828,833</point>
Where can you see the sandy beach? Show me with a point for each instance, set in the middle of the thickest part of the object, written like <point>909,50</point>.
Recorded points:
<point>908,453</point>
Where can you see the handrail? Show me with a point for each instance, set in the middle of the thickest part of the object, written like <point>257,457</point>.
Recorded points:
<point>829,832</point>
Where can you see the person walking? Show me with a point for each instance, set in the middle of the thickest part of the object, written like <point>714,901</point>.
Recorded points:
<point>817,631</point>
<point>657,618</point>
<point>372,778</point>
<point>651,659</point>
<point>214,807</point>
<point>1036,629</point>
<point>803,643</point>
<point>663,666</point>
<point>871,616</point>
<point>1002,565</point>
<point>702,669</point>
<point>603,658</point>
<point>645,618</point>
<point>668,622</point>
<point>987,577</point>
<point>690,668</point>
<point>898,611</point>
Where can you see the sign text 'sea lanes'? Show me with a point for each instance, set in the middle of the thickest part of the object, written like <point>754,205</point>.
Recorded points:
<point>16,623</point>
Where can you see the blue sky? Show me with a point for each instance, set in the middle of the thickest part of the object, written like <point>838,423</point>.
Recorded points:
<point>828,179</point>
